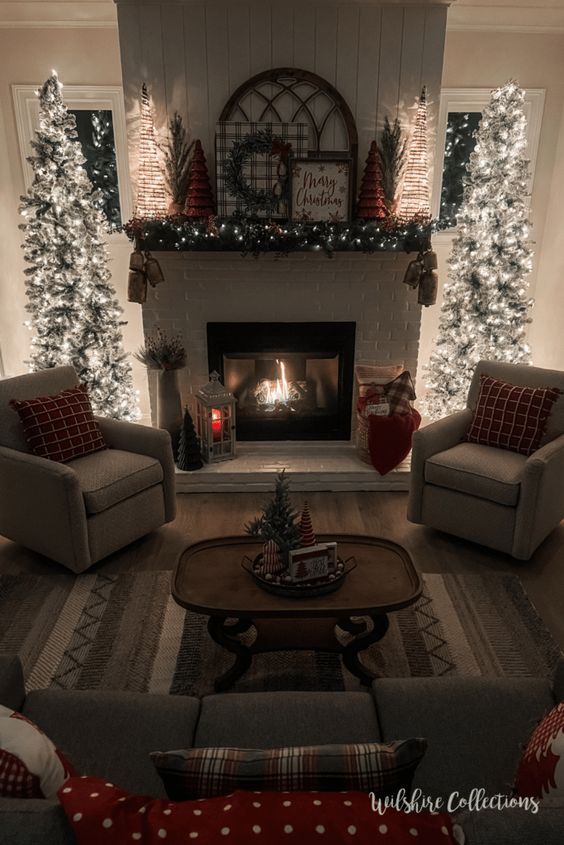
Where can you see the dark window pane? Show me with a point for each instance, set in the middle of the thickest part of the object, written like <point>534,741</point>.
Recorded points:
<point>96,135</point>
<point>459,143</point>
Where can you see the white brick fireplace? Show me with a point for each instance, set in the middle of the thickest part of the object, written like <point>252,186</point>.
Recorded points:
<point>301,287</point>
<point>204,287</point>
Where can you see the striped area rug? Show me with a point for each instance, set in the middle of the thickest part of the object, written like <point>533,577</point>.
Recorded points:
<point>126,632</point>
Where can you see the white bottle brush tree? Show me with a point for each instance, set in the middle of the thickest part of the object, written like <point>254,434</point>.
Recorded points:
<point>75,316</point>
<point>486,306</point>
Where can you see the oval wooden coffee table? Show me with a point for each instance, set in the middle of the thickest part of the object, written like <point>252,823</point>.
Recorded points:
<point>209,579</point>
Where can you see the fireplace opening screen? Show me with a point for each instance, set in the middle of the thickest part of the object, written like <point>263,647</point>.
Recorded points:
<point>291,380</point>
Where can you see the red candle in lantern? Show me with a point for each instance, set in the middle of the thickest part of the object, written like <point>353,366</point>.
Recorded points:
<point>216,424</point>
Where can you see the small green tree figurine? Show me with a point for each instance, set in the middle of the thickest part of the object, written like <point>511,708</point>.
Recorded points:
<point>188,457</point>
<point>278,520</point>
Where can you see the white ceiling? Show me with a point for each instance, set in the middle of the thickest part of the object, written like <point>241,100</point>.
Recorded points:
<point>545,16</point>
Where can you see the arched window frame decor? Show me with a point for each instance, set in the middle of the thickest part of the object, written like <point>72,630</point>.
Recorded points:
<point>284,81</point>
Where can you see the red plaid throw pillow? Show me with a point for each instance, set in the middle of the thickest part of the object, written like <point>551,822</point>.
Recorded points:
<point>400,393</point>
<point>204,772</point>
<point>62,426</point>
<point>511,417</point>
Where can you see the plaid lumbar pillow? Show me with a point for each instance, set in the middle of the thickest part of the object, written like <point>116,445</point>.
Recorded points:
<point>60,427</point>
<point>511,417</point>
<point>205,772</point>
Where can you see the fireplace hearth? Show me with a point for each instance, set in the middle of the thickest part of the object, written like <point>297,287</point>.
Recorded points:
<point>292,381</point>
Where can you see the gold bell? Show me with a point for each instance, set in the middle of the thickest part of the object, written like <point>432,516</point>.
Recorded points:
<point>136,260</point>
<point>430,260</point>
<point>137,287</point>
<point>428,287</point>
<point>413,273</point>
<point>153,270</point>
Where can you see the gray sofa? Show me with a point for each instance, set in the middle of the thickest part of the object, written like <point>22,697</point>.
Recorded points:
<point>475,728</point>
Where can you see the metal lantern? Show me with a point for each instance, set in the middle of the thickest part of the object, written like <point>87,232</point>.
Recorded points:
<point>215,420</point>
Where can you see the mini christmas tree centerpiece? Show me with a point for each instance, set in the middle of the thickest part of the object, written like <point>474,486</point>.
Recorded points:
<point>292,563</point>
<point>278,520</point>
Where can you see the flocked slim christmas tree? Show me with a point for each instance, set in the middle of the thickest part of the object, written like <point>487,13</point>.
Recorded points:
<point>75,317</point>
<point>485,307</point>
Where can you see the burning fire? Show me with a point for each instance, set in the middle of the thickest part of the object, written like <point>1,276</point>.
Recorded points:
<point>276,392</point>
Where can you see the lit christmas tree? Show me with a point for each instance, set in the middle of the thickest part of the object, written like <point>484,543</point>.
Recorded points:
<point>103,167</point>
<point>414,200</point>
<point>152,198</point>
<point>485,306</point>
<point>75,316</point>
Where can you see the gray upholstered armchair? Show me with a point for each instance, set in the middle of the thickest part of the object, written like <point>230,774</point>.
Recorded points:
<point>495,497</point>
<point>81,511</point>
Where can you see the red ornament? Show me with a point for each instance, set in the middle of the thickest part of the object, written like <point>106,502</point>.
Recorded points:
<point>371,202</point>
<point>199,199</point>
<point>307,537</point>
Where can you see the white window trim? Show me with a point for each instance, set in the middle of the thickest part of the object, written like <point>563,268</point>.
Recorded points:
<point>475,99</point>
<point>108,97</point>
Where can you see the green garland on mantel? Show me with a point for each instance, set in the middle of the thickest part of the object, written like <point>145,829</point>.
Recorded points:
<point>251,236</point>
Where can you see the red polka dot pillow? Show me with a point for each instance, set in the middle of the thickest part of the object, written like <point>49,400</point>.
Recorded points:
<point>541,768</point>
<point>383,768</point>
<point>508,416</point>
<point>30,765</point>
<point>103,814</point>
<point>60,427</point>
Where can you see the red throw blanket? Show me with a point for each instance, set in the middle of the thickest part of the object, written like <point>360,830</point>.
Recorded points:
<point>389,439</point>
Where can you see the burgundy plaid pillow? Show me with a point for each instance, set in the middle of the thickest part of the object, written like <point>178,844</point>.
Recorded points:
<point>60,427</point>
<point>511,417</point>
<point>205,772</point>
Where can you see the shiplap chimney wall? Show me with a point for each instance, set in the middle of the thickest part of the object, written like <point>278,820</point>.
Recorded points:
<point>193,55</point>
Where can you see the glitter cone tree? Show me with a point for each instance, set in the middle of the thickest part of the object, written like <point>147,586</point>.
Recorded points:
<point>414,200</point>
<point>199,200</point>
<point>371,201</point>
<point>485,307</point>
<point>152,200</point>
<point>75,316</point>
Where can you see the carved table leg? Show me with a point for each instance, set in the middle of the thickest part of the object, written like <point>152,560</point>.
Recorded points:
<point>361,642</point>
<point>224,634</point>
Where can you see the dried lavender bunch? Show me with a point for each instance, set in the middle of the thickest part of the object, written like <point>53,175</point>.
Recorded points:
<point>162,352</point>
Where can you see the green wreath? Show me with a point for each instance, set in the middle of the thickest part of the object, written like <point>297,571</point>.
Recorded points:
<point>253,199</point>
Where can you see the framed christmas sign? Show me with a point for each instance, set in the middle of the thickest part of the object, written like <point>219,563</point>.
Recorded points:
<point>312,562</point>
<point>320,189</point>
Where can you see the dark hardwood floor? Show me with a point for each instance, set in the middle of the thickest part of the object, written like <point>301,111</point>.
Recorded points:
<point>383,514</point>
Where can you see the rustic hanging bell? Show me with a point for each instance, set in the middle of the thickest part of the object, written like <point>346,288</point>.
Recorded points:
<point>136,260</point>
<point>153,270</point>
<point>137,287</point>
<point>413,273</point>
<point>428,287</point>
<point>430,260</point>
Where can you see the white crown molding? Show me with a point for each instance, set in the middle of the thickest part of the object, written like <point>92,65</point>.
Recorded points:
<point>59,14</point>
<point>530,20</point>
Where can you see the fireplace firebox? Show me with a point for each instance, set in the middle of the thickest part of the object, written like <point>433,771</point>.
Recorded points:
<point>293,381</point>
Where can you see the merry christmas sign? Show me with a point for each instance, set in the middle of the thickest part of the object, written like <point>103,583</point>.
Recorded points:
<point>320,189</point>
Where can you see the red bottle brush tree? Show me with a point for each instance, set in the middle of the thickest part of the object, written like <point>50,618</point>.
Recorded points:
<point>199,199</point>
<point>371,200</point>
